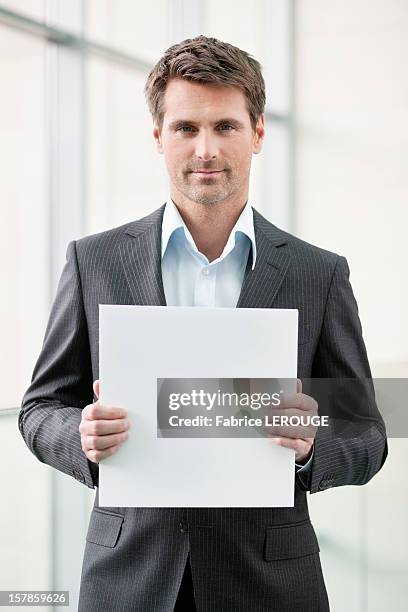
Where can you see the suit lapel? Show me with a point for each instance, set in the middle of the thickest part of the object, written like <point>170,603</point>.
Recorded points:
<point>261,284</point>
<point>140,254</point>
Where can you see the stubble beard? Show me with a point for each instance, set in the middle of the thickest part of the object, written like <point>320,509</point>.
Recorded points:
<point>210,193</point>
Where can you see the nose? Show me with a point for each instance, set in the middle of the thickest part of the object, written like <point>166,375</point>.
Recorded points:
<point>206,146</point>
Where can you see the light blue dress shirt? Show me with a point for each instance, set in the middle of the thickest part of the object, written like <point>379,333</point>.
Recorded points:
<point>189,279</point>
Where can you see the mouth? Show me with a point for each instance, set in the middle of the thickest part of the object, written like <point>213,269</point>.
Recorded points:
<point>207,173</point>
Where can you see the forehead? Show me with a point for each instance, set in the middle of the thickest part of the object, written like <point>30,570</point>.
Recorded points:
<point>202,100</point>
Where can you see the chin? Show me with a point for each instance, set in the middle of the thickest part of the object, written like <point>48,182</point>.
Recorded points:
<point>208,196</point>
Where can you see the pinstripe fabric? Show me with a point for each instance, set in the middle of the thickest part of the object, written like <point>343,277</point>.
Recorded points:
<point>242,559</point>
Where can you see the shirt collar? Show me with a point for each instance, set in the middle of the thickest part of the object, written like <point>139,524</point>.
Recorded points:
<point>172,221</point>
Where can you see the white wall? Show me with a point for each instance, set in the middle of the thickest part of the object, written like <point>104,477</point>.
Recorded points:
<point>351,188</point>
<point>352,151</point>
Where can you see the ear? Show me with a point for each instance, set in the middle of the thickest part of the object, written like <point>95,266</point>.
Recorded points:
<point>259,134</point>
<point>157,138</point>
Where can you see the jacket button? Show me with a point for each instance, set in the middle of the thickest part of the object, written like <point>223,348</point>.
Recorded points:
<point>78,475</point>
<point>183,527</point>
<point>325,484</point>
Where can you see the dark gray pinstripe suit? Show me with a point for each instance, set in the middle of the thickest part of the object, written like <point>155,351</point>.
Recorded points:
<point>243,559</point>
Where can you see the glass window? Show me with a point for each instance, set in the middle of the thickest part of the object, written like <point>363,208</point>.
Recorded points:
<point>24,253</point>
<point>138,28</point>
<point>273,191</point>
<point>126,175</point>
<point>237,22</point>
<point>30,8</point>
<point>25,514</point>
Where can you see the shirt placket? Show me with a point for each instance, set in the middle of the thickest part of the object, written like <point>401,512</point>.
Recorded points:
<point>204,290</point>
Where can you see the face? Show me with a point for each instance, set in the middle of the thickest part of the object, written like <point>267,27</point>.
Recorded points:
<point>207,141</point>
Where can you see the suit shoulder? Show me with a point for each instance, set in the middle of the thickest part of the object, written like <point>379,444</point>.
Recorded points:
<point>304,252</point>
<point>310,260</point>
<point>309,250</point>
<point>107,239</point>
<point>101,238</point>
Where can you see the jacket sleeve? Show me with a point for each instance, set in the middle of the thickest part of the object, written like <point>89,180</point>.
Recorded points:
<point>349,458</point>
<point>61,384</point>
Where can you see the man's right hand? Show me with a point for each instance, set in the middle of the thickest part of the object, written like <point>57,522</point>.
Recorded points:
<point>103,429</point>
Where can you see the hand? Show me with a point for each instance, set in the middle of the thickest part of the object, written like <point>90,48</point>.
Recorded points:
<point>103,429</point>
<point>299,404</point>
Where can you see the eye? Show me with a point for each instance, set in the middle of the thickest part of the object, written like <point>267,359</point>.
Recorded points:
<point>226,127</point>
<point>185,129</point>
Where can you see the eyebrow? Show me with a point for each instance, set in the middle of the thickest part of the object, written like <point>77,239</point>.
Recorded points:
<point>180,122</point>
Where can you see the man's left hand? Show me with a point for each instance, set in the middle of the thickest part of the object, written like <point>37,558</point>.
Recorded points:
<point>298,404</point>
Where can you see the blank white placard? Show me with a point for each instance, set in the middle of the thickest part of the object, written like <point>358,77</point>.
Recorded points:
<point>138,345</point>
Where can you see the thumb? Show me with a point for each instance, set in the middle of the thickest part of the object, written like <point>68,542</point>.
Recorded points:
<point>96,388</point>
<point>298,385</point>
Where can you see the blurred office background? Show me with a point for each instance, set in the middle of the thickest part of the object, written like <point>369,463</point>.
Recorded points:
<point>77,157</point>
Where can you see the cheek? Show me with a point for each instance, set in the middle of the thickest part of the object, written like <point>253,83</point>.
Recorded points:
<point>240,161</point>
<point>240,153</point>
<point>173,160</point>
<point>176,156</point>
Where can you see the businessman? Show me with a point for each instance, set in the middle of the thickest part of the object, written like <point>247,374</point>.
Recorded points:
<point>206,246</point>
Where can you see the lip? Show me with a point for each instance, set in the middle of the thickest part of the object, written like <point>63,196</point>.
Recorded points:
<point>207,172</point>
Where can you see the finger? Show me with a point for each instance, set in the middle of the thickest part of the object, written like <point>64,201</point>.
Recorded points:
<point>296,444</point>
<point>308,441</point>
<point>292,431</point>
<point>291,413</point>
<point>96,388</point>
<point>291,396</point>
<point>103,427</point>
<point>103,442</point>
<point>289,400</point>
<point>292,443</point>
<point>286,442</point>
<point>301,448</point>
<point>98,411</point>
<point>299,401</point>
<point>99,455</point>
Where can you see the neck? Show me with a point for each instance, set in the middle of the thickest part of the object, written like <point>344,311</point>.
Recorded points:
<point>210,224</point>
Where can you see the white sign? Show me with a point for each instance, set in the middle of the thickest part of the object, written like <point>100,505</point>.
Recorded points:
<point>141,344</point>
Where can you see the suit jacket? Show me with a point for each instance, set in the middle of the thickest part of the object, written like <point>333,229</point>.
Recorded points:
<point>242,559</point>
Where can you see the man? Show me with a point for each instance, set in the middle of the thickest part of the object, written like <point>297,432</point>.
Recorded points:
<point>205,247</point>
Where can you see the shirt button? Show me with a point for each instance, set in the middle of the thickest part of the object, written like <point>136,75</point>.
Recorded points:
<point>206,271</point>
<point>183,527</point>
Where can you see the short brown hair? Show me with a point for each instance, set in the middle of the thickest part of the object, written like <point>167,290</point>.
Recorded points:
<point>207,60</point>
